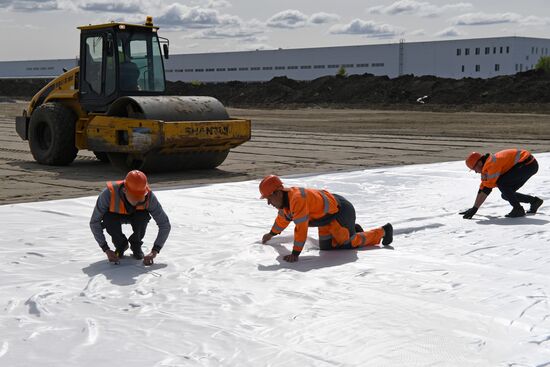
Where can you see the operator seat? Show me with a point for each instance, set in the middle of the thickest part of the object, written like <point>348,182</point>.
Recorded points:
<point>129,75</point>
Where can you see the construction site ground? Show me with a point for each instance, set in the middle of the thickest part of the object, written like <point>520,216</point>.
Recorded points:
<point>287,142</point>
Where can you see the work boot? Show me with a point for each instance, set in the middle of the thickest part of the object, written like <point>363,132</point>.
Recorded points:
<point>358,228</point>
<point>388,234</point>
<point>535,205</point>
<point>120,252</point>
<point>137,252</point>
<point>516,212</point>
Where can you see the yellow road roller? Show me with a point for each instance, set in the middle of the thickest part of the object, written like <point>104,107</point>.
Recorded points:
<point>114,104</point>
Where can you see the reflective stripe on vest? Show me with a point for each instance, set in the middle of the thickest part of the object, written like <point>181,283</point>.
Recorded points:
<point>325,202</point>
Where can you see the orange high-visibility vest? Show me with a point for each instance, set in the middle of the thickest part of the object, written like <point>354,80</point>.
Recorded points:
<point>499,163</point>
<point>116,205</point>
<point>305,205</point>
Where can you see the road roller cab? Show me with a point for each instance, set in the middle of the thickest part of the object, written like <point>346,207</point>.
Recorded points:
<point>119,60</point>
<point>114,104</point>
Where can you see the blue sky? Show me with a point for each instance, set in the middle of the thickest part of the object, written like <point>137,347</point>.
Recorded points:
<point>46,29</point>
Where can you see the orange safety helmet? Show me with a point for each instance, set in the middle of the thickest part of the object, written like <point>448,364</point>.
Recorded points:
<point>472,159</point>
<point>136,185</point>
<point>269,185</point>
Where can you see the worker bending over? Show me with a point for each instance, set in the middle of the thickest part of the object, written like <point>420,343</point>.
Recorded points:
<point>508,170</point>
<point>130,201</point>
<point>333,214</point>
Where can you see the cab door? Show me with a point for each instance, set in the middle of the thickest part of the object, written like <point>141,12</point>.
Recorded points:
<point>97,70</point>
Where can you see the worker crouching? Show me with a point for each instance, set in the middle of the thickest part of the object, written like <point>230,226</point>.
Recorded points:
<point>130,201</point>
<point>508,170</point>
<point>332,214</point>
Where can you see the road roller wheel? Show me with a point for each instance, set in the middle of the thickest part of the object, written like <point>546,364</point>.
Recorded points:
<point>155,162</point>
<point>51,134</point>
<point>102,156</point>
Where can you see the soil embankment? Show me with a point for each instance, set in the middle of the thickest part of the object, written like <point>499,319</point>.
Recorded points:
<point>522,92</point>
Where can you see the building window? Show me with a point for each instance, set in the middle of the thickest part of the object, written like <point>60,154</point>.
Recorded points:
<point>347,65</point>
<point>507,49</point>
<point>458,51</point>
<point>497,67</point>
<point>462,68</point>
<point>305,67</point>
<point>501,49</point>
<point>466,51</point>
<point>377,64</point>
<point>186,70</point>
<point>487,50</point>
<point>494,50</point>
<point>318,66</point>
<point>279,68</point>
<point>255,68</point>
<point>517,67</point>
<point>362,65</point>
<point>220,69</point>
<point>333,66</point>
<point>209,70</point>
<point>533,50</point>
<point>292,67</point>
<point>199,70</point>
<point>477,50</point>
<point>231,69</point>
<point>267,68</point>
<point>478,68</point>
<point>243,69</point>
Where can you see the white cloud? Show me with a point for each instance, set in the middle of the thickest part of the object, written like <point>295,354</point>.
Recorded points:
<point>288,19</point>
<point>181,17</point>
<point>449,32</point>
<point>421,8</point>
<point>418,32</point>
<point>128,6</point>
<point>218,4</point>
<point>321,18</point>
<point>485,19</point>
<point>31,5</point>
<point>367,28</point>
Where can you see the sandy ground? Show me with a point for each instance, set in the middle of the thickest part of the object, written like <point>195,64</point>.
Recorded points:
<point>287,142</point>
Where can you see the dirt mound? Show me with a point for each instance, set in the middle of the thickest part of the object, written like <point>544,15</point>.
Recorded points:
<point>504,93</point>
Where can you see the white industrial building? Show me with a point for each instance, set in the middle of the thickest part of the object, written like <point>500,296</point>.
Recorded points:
<point>477,58</point>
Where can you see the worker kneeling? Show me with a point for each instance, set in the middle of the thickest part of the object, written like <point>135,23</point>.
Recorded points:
<point>508,170</point>
<point>130,201</point>
<point>331,213</point>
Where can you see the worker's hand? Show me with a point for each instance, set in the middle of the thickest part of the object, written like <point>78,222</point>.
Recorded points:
<point>148,259</point>
<point>468,214</point>
<point>291,258</point>
<point>266,237</point>
<point>111,255</point>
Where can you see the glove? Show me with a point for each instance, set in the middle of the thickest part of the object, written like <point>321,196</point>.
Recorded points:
<point>468,214</point>
<point>111,255</point>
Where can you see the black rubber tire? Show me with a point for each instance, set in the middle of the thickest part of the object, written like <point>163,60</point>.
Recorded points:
<point>102,156</point>
<point>52,134</point>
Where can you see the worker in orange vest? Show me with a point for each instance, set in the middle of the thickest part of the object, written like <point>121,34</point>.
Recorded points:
<point>331,213</point>
<point>130,201</point>
<point>508,170</point>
